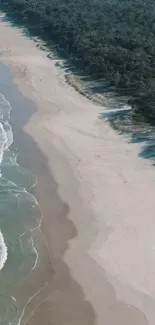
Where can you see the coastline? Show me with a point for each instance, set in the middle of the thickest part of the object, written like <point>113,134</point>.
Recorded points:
<point>89,162</point>
<point>56,230</point>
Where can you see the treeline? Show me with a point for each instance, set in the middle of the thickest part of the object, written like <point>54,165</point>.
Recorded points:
<point>112,39</point>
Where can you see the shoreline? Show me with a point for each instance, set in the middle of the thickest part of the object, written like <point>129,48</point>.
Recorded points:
<point>52,247</point>
<point>89,162</point>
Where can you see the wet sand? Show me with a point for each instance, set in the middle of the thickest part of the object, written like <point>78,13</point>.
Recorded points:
<point>66,302</point>
<point>98,220</point>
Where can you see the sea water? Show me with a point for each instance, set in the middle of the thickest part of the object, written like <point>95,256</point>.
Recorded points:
<point>20,220</point>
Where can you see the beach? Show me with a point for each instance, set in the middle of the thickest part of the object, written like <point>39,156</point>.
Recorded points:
<point>96,195</point>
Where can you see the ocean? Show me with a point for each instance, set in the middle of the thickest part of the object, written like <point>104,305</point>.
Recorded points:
<point>20,214</point>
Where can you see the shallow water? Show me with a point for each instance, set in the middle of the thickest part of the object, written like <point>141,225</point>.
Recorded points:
<point>20,220</point>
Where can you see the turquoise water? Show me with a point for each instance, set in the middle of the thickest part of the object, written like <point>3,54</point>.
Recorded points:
<point>20,220</point>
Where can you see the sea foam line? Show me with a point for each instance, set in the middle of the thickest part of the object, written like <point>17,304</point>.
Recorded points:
<point>7,139</point>
<point>3,251</point>
<point>4,145</point>
<point>29,301</point>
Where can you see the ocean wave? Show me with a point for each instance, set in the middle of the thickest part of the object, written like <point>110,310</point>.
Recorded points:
<point>3,141</point>
<point>6,134</point>
<point>6,139</point>
<point>9,135</point>
<point>14,185</point>
<point>7,158</point>
<point>3,251</point>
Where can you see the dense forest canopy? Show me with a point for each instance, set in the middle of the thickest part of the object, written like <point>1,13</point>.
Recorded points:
<point>114,39</point>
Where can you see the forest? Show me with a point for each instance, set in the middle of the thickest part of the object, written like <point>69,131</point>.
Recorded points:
<point>111,39</point>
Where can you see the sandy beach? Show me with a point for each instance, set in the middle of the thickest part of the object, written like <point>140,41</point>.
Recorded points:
<point>97,198</point>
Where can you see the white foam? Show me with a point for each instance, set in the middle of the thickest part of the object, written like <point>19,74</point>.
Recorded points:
<point>3,251</point>
<point>9,135</point>
<point>6,139</point>
<point>6,135</point>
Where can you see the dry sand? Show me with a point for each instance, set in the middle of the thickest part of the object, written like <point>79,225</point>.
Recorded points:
<point>109,192</point>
